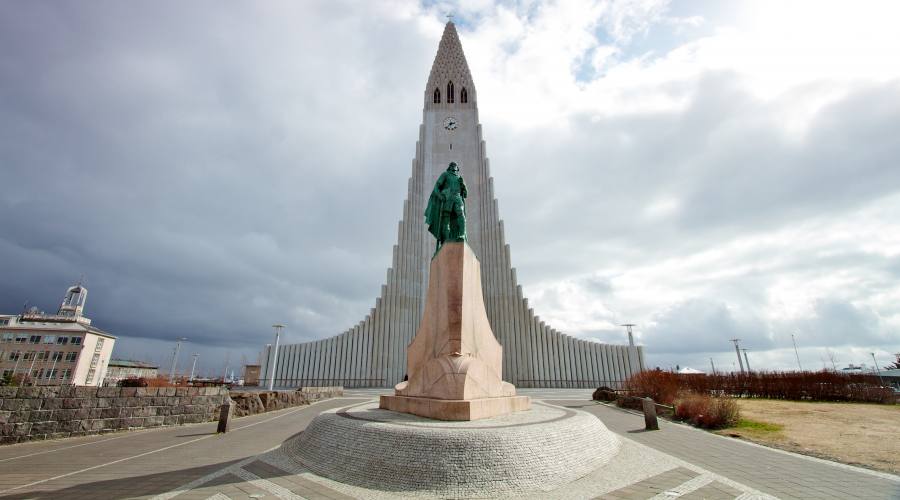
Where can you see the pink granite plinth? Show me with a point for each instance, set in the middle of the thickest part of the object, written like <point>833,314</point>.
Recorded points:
<point>456,409</point>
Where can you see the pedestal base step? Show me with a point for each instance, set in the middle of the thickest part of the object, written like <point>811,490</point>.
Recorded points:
<point>456,409</point>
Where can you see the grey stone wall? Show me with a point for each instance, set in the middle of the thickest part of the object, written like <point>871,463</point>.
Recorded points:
<point>253,402</point>
<point>28,413</point>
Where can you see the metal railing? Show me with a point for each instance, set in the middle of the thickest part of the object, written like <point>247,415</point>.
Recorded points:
<point>347,383</point>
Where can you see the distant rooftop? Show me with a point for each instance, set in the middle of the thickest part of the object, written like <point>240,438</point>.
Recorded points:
<point>127,363</point>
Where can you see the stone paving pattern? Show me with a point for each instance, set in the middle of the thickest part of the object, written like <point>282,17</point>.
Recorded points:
<point>182,462</point>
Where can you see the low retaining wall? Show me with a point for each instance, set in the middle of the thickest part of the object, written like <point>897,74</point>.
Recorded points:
<point>253,402</point>
<point>28,413</point>
<point>53,412</point>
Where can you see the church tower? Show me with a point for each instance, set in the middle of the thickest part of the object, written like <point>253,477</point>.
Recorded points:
<point>373,352</point>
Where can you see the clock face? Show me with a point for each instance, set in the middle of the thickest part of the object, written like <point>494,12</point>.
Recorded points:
<point>450,123</point>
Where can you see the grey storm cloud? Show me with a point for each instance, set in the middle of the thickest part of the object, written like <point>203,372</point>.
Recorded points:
<point>213,169</point>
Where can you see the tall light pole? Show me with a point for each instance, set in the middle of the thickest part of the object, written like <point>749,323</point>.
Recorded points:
<point>796,352</point>
<point>713,365</point>
<point>737,349</point>
<point>877,370</point>
<point>746,361</point>
<point>277,328</point>
<point>193,366</point>
<point>630,335</point>
<point>175,358</point>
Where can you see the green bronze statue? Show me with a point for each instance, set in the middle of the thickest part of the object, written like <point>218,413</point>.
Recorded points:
<point>446,212</point>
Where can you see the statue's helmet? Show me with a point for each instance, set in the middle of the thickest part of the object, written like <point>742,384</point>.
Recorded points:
<point>452,167</point>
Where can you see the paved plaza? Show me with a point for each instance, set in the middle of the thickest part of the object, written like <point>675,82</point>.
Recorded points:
<point>192,462</point>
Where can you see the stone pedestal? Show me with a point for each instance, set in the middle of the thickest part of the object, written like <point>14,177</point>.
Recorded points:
<point>454,362</point>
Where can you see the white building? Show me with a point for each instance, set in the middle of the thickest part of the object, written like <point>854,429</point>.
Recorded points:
<point>120,369</point>
<point>55,349</point>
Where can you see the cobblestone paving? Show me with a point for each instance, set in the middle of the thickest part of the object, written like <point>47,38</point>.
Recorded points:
<point>191,462</point>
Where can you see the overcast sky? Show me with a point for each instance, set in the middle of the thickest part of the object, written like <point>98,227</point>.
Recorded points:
<point>706,170</point>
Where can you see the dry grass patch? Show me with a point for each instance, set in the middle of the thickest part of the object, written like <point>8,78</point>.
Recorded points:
<point>852,433</point>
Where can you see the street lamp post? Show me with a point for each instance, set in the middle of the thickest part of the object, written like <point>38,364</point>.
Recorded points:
<point>796,352</point>
<point>737,349</point>
<point>277,328</point>
<point>175,358</point>
<point>746,361</point>
<point>630,334</point>
<point>193,366</point>
<point>877,370</point>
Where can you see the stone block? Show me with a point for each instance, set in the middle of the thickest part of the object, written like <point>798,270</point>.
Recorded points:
<point>105,402</point>
<point>40,415</point>
<point>63,415</point>
<point>4,416</point>
<point>52,404</point>
<point>109,412</point>
<point>169,391</point>
<point>181,391</point>
<point>34,404</point>
<point>8,439</point>
<point>71,403</point>
<point>128,392</point>
<point>140,411</point>
<point>8,392</point>
<point>82,413</point>
<point>66,392</point>
<point>47,427</point>
<point>153,421</point>
<point>15,404</point>
<point>134,422</point>
<point>172,420</point>
<point>85,392</point>
<point>95,412</point>
<point>28,392</point>
<point>108,392</point>
<point>21,429</point>
<point>20,416</point>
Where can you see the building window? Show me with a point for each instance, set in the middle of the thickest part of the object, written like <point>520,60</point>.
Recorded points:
<point>7,373</point>
<point>76,340</point>
<point>62,340</point>
<point>21,339</point>
<point>13,356</point>
<point>4,321</point>
<point>35,339</point>
<point>450,92</point>
<point>57,356</point>
<point>437,96</point>
<point>463,96</point>
<point>49,339</point>
<point>8,337</point>
<point>99,345</point>
<point>66,374</point>
<point>28,355</point>
<point>38,373</point>
<point>71,356</point>
<point>41,356</point>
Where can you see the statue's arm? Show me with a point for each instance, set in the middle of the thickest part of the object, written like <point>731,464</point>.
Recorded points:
<point>462,188</point>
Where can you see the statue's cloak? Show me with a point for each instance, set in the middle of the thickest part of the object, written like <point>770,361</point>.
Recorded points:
<point>433,214</point>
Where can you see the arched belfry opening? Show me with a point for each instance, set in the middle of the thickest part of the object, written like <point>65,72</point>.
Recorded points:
<point>450,94</point>
<point>463,96</point>
<point>437,96</point>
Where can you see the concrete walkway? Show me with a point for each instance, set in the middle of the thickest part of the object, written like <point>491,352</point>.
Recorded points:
<point>778,473</point>
<point>192,462</point>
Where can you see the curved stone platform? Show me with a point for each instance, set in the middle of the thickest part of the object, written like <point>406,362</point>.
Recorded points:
<point>536,450</point>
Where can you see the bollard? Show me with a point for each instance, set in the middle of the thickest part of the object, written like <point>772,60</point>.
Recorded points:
<point>226,411</point>
<point>650,422</point>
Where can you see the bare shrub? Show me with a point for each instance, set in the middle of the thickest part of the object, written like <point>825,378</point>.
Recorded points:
<point>706,411</point>
<point>659,385</point>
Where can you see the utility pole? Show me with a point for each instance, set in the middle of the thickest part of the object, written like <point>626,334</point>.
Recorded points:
<point>737,349</point>
<point>630,334</point>
<point>193,366</point>
<point>877,370</point>
<point>796,352</point>
<point>277,328</point>
<point>713,365</point>
<point>175,358</point>
<point>746,361</point>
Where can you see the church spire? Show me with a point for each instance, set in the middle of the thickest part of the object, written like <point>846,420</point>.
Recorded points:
<point>450,81</point>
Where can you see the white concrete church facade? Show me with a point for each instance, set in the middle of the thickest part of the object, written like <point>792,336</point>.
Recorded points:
<point>373,352</point>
